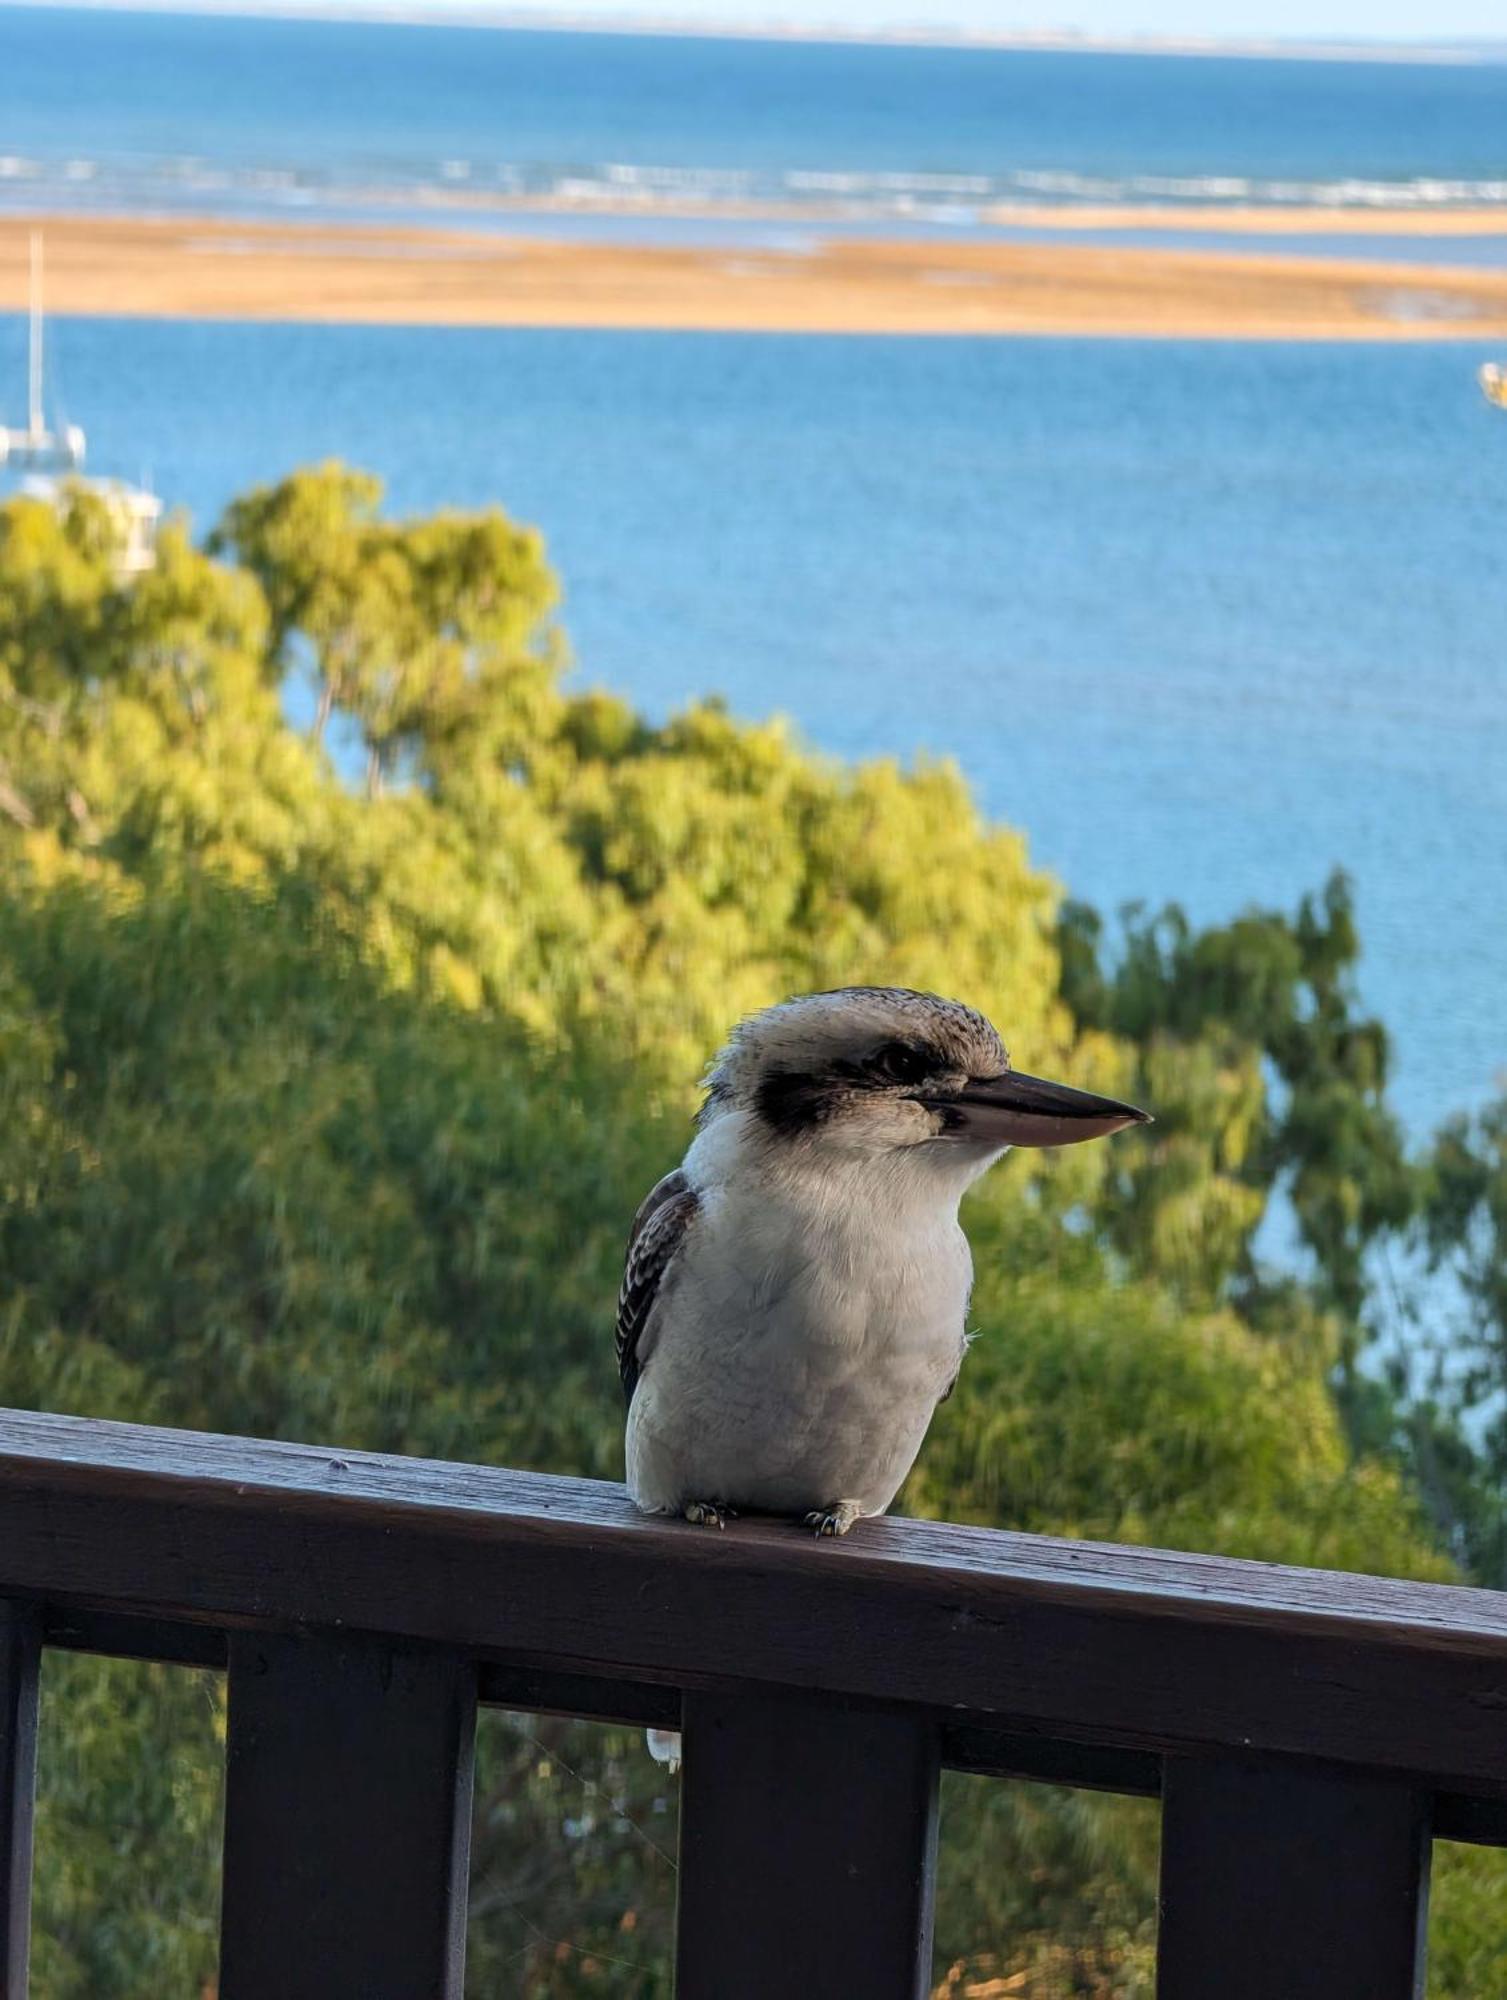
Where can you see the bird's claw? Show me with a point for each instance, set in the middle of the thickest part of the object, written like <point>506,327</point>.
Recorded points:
<point>834,1520</point>
<point>708,1513</point>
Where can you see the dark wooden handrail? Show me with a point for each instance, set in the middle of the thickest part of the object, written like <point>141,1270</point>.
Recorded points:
<point>362,1604</point>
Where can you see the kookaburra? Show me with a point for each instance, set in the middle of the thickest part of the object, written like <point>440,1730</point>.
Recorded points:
<point>793,1306</point>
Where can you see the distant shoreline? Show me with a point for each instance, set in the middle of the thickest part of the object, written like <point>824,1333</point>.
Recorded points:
<point>1056,41</point>
<point>440,205</point>
<point>192,268</point>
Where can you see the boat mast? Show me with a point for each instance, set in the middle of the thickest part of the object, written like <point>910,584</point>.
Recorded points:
<point>34,371</point>
<point>132,512</point>
<point>37,449</point>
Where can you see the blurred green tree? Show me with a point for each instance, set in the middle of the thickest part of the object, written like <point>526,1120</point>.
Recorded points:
<point>333,1062</point>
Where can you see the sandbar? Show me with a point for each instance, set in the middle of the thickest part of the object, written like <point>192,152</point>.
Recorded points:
<point>233,270</point>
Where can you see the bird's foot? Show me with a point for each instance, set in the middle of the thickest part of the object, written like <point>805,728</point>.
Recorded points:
<point>834,1520</point>
<point>708,1513</point>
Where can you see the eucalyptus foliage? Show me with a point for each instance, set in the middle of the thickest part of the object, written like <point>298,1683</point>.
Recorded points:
<point>335,1056</point>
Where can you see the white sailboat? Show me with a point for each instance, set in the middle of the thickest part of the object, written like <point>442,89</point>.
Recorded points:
<point>1493,379</point>
<point>52,460</point>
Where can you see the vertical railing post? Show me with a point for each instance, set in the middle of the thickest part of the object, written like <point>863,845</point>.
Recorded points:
<point>807,1850</point>
<point>347,1821</point>
<point>20,1655</point>
<point>1291,1882</point>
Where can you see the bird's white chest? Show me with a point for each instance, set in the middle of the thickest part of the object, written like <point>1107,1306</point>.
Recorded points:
<point>845,1295</point>
<point>799,1353</point>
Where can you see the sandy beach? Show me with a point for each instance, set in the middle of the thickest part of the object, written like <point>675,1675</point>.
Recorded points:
<point>1243,219</point>
<point>251,271</point>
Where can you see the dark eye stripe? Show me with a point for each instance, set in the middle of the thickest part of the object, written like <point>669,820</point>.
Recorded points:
<point>793,1101</point>
<point>898,1062</point>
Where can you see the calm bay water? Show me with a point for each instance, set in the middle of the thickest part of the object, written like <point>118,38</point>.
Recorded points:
<point>172,111</point>
<point>1204,619</point>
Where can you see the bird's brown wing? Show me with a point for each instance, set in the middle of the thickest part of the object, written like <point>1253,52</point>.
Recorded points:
<point>659,1229</point>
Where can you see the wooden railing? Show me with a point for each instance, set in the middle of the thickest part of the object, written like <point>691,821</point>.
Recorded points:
<point>1307,1733</point>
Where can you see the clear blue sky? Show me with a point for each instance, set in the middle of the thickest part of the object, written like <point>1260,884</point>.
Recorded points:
<point>1427,22</point>
<point>1359,20</point>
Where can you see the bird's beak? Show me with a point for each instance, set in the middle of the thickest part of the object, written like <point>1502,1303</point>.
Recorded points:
<point>1016,1110</point>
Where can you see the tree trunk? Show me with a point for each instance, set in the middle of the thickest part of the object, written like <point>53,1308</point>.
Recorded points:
<point>322,712</point>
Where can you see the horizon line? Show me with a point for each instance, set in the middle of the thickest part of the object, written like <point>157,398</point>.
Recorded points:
<point>1464,49</point>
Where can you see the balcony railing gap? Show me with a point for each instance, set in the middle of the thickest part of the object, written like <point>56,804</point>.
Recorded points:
<point>1308,1733</point>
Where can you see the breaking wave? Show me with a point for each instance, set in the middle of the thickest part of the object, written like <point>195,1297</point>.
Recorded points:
<point>197,185</point>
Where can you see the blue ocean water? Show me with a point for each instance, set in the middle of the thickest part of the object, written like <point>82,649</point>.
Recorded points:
<point>1206,619</point>
<point>174,111</point>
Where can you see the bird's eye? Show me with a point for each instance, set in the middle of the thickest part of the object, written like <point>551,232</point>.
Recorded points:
<point>898,1064</point>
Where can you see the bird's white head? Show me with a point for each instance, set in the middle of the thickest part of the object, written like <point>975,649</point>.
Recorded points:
<point>881,1070</point>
